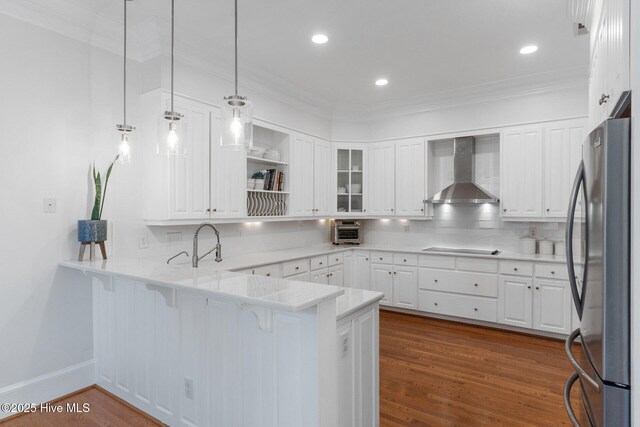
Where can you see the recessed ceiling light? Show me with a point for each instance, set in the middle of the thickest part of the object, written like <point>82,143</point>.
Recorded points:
<point>382,82</point>
<point>528,49</point>
<point>320,38</point>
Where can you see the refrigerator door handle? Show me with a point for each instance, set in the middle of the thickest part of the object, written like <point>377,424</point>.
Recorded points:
<point>567,399</point>
<point>574,362</point>
<point>573,201</point>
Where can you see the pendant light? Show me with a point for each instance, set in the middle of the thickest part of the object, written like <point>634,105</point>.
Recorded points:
<point>124,128</point>
<point>236,112</point>
<point>171,143</point>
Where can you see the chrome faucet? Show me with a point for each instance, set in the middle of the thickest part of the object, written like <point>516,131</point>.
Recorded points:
<point>218,248</point>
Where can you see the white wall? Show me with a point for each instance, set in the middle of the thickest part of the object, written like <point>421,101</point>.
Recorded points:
<point>46,142</point>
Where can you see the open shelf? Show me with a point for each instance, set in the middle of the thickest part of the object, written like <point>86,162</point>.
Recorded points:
<point>263,161</point>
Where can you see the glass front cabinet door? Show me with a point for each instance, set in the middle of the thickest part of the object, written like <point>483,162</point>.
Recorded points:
<point>351,180</point>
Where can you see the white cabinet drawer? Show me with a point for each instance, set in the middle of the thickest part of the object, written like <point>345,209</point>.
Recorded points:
<point>458,305</point>
<point>518,268</point>
<point>381,257</point>
<point>302,277</point>
<point>459,282</point>
<point>437,261</point>
<point>244,271</point>
<point>477,264</point>
<point>272,270</point>
<point>319,262</point>
<point>335,259</point>
<point>405,259</point>
<point>295,267</point>
<point>552,271</point>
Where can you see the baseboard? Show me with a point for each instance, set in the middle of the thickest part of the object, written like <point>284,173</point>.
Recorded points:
<point>48,387</point>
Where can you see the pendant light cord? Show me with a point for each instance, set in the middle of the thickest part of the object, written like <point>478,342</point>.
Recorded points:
<point>236,34</point>
<point>172,45</point>
<point>125,66</point>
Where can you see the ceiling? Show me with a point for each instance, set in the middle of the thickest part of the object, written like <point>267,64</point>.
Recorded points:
<point>421,46</point>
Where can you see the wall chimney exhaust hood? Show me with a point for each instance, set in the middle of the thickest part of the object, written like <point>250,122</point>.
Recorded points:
<point>463,189</point>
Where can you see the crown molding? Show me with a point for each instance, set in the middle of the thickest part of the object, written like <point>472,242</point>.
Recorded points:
<point>149,39</point>
<point>492,91</point>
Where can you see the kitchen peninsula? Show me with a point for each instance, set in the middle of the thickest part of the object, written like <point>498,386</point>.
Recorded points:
<point>197,345</point>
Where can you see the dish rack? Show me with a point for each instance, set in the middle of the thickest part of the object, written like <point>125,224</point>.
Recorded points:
<point>266,204</point>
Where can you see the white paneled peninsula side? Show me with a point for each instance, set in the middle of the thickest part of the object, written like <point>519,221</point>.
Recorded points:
<point>205,347</point>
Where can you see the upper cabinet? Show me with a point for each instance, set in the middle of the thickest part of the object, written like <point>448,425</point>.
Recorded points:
<point>302,176</point>
<point>351,184</point>
<point>562,156</point>
<point>521,172</point>
<point>176,187</point>
<point>410,179</point>
<point>539,164</point>
<point>609,69</point>
<point>322,194</point>
<point>382,183</point>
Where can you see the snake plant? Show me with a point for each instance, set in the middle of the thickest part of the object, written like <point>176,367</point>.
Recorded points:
<point>101,191</point>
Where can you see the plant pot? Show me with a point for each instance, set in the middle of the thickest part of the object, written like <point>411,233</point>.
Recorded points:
<point>92,230</point>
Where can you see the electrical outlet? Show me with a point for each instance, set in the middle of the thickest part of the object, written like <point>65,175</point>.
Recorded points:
<point>344,343</point>
<point>49,205</point>
<point>174,237</point>
<point>143,243</point>
<point>532,232</point>
<point>188,389</point>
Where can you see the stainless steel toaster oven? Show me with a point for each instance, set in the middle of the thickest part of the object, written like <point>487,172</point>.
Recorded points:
<point>346,232</point>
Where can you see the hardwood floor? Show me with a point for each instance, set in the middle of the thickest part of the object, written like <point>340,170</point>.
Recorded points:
<point>432,373</point>
<point>106,410</point>
<point>440,373</point>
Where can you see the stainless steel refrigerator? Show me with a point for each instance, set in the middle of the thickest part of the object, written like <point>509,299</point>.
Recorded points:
<point>600,349</point>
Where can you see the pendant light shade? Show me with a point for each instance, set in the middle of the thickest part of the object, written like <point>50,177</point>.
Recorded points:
<point>171,124</point>
<point>125,129</point>
<point>237,112</point>
<point>237,123</point>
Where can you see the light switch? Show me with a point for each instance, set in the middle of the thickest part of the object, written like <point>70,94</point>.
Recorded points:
<point>49,205</point>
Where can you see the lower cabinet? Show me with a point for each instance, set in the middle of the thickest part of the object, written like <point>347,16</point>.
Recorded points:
<point>515,301</point>
<point>458,305</point>
<point>357,348</point>
<point>382,281</point>
<point>405,287</point>
<point>360,274</point>
<point>540,304</point>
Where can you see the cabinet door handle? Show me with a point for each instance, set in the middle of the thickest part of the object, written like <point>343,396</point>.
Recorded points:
<point>548,210</point>
<point>404,260</point>
<point>320,263</point>
<point>475,284</point>
<point>297,268</point>
<point>268,274</point>
<point>537,288</point>
<point>515,269</point>
<point>380,258</point>
<point>389,272</point>
<point>475,309</point>
<point>528,287</point>
<point>395,272</point>
<point>337,259</point>
<point>435,280</point>
<point>504,210</point>
<point>553,272</point>
<point>422,210</point>
<point>435,303</point>
<point>366,259</point>
<point>215,209</point>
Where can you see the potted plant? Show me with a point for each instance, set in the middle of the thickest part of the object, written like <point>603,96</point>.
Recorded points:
<point>95,229</point>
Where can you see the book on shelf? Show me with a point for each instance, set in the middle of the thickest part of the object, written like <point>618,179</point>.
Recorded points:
<point>273,180</point>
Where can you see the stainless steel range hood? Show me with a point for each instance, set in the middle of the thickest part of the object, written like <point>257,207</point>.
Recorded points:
<point>463,189</point>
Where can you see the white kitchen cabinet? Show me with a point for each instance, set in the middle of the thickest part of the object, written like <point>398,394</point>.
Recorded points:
<point>228,177</point>
<point>303,277</point>
<point>405,287</point>
<point>176,187</point>
<point>336,276</point>
<point>552,306</point>
<point>358,365</point>
<point>382,178</point>
<point>562,154</point>
<point>351,186</point>
<point>322,193</point>
<point>410,179</point>
<point>361,270</point>
<point>382,281</point>
<point>302,176</point>
<point>348,273</point>
<point>609,68</point>
<point>521,165</point>
<point>515,301</point>
<point>319,276</point>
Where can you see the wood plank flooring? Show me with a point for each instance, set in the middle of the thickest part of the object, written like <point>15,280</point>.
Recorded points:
<point>440,373</point>
<point>432,373</point>
<point>106,410</point>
